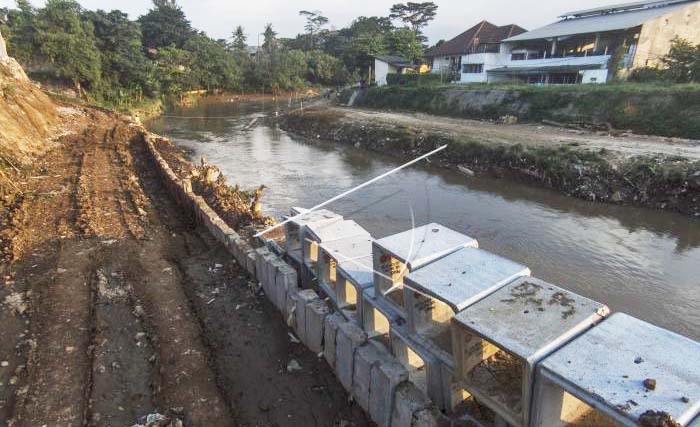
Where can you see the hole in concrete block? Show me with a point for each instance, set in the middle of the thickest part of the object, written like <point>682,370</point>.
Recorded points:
<point>389,280</point>
<point>575,413</point>
<point>470,409</point>
<point>491,374</point>
<point>327,273</point>
<point>431,319</point>
<point>374,322</point>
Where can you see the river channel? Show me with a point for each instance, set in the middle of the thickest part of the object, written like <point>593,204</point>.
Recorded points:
<point>640,261</point>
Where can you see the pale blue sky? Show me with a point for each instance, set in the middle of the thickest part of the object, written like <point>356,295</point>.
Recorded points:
<point>219,17</point>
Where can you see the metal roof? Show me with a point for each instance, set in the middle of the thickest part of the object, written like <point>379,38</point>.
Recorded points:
<point>622,7</point>
<point>396,61</point>
<point>597,23</point>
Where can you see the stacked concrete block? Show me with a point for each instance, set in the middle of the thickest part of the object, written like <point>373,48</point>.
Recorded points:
<point>348,339</point>
<point>251,262</point>
<point>498,341</point>
<point>386,377</point>
<point>316,233</point>
<point>408,400</point>
<point>335,252</point>
<point>616,372</point>
<point>353,278</point>
<point>286,285</point>
<point>424,364</point>
<point>316,313</point>
<point>303,298</point>
<point>396,256</point>
<point>367,358</point>
<point>330,331</point>
<point>434,293</point>
<point>294,229</point>
<point>378,315</point>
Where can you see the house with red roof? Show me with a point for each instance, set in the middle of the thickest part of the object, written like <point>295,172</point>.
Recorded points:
<point>467,57</point>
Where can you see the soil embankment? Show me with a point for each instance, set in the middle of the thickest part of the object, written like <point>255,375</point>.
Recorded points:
<point>114,305</point>
<point>627,168</point>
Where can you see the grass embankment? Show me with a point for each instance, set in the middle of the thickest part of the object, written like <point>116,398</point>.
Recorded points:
<point>660,182</point>
<point>666,110</point>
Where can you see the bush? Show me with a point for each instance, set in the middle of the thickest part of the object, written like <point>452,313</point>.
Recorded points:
<point>413,79</point>
<point>647,75</point>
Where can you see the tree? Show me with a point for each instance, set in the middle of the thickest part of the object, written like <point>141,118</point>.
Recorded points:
<point>20,32</point>
<point>683,61</point>
<point>314,21</point>
<point>165,25</point>
<point>404,42</point>
<point>415,15</point>
<point>269,39</point>
<point>124,64</point>
<point>173,69</point>
<point>239,41</point>
<point>68,43</point>
<point>212,65</point>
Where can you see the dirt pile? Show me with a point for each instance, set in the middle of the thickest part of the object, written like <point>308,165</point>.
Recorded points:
<point>27,116</point>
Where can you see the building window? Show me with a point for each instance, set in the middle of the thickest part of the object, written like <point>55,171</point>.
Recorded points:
<point>517,57</point>
<point>473,68</point>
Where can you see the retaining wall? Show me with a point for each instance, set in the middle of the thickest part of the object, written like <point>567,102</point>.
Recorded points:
<point>368,370</point>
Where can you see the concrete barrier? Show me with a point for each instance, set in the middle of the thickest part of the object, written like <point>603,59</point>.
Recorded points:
<point>382,384</point>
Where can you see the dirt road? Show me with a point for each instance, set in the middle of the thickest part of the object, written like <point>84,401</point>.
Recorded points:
<point>530,134</point>
<point>115,306</point>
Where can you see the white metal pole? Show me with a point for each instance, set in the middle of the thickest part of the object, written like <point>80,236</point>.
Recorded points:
<point>352,190</point>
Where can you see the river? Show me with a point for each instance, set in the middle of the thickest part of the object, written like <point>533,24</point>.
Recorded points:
<point>640,261</point>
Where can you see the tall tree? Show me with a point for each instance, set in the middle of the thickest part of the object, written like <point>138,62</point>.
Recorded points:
<point>269,39</point>
<point>415,15</point>
<point>239,41</point>
<point>68,43</point>
<point>314,21</point>
<point>165,25</point>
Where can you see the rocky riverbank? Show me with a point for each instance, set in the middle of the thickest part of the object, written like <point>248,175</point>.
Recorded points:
<point>633,169</point>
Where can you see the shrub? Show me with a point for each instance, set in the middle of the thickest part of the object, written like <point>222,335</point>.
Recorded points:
<point>413,79</point>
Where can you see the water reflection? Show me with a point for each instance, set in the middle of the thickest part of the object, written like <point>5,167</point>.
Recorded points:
<point>641,261</point>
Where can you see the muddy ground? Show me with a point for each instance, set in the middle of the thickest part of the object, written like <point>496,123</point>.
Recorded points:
<point>115,305</point>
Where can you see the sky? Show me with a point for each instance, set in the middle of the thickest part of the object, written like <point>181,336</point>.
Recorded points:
<point>218,18</point>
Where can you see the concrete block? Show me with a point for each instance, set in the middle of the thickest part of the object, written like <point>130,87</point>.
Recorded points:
<point>330,330</point>
<point>316,312</point>
<point>366,358</point>
<point>259,254</point>
<point>386,377</point>
<point>292,310</point>
<point>250,262</point>
<point>286,284</point>
<point>303,298</point>
<point>408,400</point>
<point>348,339</point>
<point>430,417</point>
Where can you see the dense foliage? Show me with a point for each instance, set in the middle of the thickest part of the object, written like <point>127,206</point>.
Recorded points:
<point>680,65</point>
<point>117,61</point>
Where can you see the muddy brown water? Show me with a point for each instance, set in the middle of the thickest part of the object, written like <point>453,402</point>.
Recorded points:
<point>640,261</point>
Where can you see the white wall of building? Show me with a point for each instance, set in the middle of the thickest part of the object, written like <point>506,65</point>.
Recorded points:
<point>381,70</point>
<point>488,60</point>
<point>595,76</point>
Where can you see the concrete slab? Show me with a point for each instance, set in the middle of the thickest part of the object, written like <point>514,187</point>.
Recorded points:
<point>386,377</point>
<point>348,339</point>
<point>316,312</point>
<point>397,255</point>
<point>366,357</point>
<point>333,252</point>
<point>352,278</point>
<point>606,368</point>
<point>294,229</point>
<point>407,401</point>
<point>330,330</point>
<point>527,319</point>
<point>303,298</point>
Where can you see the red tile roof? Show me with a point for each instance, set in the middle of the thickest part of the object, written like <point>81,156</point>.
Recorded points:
<point>481,33</point>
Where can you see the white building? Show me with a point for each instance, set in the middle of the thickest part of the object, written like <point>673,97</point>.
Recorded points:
<point>468,57</point>
<point>384,65</point>
<point>581,47</point>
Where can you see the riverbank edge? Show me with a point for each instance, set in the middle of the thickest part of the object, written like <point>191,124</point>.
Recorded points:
<point>668,183</point>
<point>403,403</point>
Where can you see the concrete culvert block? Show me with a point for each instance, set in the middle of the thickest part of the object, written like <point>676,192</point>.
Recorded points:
<point>385,378</point>
<point>408,400</point>
<point>366,358</point>
<point>348,339</point>
<point>316,313</point>
<point>286,283</point>
<point>303,298</point>
<point>330,331</point>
